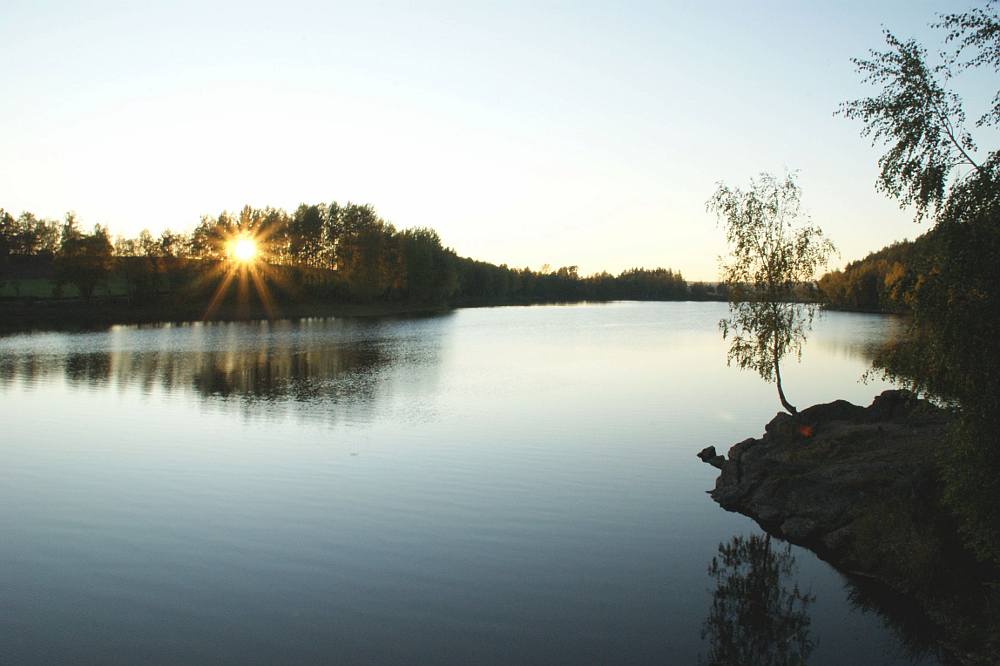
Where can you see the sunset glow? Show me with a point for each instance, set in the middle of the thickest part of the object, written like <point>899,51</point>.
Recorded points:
<point>248,273</point>
<point>633,194</point>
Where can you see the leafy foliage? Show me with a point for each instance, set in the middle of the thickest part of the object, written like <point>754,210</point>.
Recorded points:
<point>919,121</point>
<point>883,281</point>
<point>771,268</point>
<point>976,31</point>
<point>932,162</point>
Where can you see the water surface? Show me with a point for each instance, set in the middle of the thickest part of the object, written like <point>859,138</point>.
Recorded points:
<point>502,485</point>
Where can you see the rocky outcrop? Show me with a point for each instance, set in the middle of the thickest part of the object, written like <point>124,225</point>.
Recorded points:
<point>829,477</point>
<point>709,456</point>
<point>862,487</point>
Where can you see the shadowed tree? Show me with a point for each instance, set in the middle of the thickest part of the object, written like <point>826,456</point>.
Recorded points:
<point>305,233</point>
<point>137,263</point>
<point>208,240</point>
<point>771,266</point>
<point>428,269</point>
<point>172,245</point>
<point>84,260</point>
<point>366,252</point>
<point>931,161</point>
<point>27,235</point>
<point>7,230</point>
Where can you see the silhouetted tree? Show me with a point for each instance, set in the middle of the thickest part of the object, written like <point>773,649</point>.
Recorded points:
<point>307,244</point>
<point>84,260</point>
<point>27,235</point>
<point>770,260</point>
<point>137,263</point>
<point>7,232</point>
<point>430,275</point>
<point>173,245</point>
<point>366,252</point>
<point>208,240</point>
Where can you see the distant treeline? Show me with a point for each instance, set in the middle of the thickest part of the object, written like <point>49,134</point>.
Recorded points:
<point>326,252</point>
<point>883,281</point>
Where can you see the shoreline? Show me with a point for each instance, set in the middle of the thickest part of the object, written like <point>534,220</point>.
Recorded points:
<point>26,316</point>
<point>863,489</point>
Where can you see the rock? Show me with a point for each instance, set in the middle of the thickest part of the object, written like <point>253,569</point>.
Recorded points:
<point>836,539</point>
<point>861,487</point>
<point>824,477</point>
<point>799,528</point>
<point>709,456</point>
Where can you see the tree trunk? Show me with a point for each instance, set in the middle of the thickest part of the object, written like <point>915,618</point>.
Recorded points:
<point>781,394</point>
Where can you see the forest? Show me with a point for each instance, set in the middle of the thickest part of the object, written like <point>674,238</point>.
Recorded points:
<point>323,253</point>
<point>882,281</point>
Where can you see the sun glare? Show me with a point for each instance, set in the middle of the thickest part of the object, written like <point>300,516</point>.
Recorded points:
<point>244,250</point>
<point>248,268</point>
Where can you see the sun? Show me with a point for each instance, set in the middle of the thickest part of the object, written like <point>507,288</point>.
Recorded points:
<point>245,263</point>
<point>244,250</point>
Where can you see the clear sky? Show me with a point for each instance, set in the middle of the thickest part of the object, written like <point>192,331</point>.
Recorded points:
<point>526,133</point>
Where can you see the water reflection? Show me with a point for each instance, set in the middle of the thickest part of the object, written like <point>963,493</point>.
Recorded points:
<point>956,621</point>
<point>486,487</point>
<point>757,616</point>
<point>919,637</point>
<point>852,335</point>
<point>263,367</point>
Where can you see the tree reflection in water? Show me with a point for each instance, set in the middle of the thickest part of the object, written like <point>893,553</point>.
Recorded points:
<point>323,368</point>
<point>756,618</point>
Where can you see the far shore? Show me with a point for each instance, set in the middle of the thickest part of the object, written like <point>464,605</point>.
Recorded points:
<point>25,315</point>
<point>22,316</point>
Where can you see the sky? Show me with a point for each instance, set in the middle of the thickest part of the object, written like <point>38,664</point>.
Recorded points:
<point>526,133</point>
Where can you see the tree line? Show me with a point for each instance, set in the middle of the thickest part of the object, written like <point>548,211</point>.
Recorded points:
<point>882,281</point>
<point>321,252</point>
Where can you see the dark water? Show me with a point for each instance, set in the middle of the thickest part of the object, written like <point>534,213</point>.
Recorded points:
<point>505,485</point>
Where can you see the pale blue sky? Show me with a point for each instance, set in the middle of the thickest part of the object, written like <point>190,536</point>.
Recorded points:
<point>526,133</point>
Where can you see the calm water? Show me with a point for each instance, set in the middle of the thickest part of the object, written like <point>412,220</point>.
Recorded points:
<point>502,485</point>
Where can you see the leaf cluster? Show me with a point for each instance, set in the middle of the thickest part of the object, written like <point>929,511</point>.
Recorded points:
<point>919,120</point>
<point>975,35</point>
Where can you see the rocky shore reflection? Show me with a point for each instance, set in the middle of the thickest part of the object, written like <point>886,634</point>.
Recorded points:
<point>758,616</point>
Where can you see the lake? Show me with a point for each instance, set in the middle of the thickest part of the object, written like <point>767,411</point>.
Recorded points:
<point>495,485</point>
